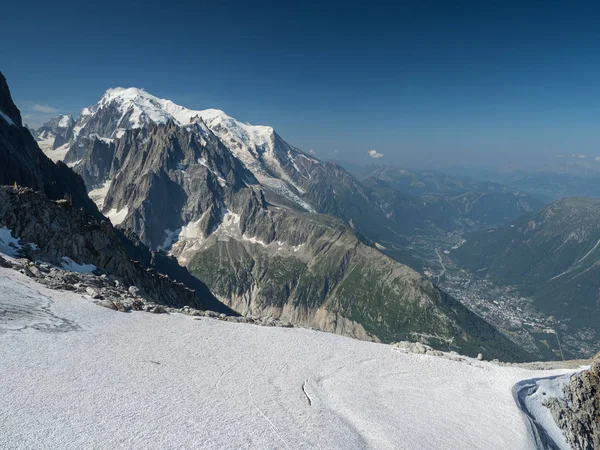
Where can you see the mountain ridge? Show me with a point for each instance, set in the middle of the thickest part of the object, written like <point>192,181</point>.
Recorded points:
<point>184,188</point>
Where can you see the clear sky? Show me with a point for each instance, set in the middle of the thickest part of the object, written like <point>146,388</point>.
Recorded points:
<point>419,82</point>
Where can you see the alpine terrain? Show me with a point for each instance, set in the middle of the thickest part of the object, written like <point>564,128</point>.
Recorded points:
<point>552,257</point>
<point>269,228</point>
<point>60,225</point>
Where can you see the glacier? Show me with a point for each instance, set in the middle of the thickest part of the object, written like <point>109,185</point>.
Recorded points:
<point>76,375</point>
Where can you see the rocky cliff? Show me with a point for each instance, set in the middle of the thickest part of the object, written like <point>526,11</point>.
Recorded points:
<point>58,234</point>
<point>578,412</point>
<point>23,162</point>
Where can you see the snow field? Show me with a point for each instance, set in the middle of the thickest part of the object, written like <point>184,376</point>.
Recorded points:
<point>142,380</point>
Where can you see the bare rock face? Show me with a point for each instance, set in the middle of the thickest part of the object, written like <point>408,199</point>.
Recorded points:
<point>22,161</point>
<point>55,231</point>
<point>578,412</point>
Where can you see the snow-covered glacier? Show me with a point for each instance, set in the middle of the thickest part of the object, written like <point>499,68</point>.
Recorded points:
<point>76,375</point>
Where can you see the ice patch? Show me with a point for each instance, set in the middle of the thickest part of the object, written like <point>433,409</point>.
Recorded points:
<point>8,244</point>
<point>98,195</point>
<point>117,217</point>
<point>7,119</point>
<point>548,388</point>
<point>70,265</point>
<point>283,189</point>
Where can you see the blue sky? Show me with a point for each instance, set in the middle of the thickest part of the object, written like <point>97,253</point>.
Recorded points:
<point>428,83</point>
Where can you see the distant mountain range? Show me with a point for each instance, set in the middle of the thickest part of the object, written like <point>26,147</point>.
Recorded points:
<point>270,229</point>
<point>418,201</point>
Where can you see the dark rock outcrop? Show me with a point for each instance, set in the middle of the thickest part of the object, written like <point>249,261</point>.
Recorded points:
<point>59,231</point>
<point>23,162</point>
<point>578,412</point>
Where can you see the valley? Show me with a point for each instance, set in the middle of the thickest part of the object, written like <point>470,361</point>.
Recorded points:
<point>505,306</point>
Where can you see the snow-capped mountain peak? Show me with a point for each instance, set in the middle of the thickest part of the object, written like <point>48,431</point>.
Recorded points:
<point>138,107</point>
<point>258,147</point>
<point>65,121</point>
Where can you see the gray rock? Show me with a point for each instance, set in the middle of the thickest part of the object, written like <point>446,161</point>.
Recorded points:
<point>92,292</point>
<point>578,412</point>
<point>158,309</point>
<point>107,304</point>
<point>134,291</point>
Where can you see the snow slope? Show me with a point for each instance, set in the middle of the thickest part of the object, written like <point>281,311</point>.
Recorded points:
<point>76,375</point>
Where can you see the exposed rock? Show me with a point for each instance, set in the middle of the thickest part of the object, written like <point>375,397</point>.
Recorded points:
<point>158,309</point>
<point>107,304</point>
<point>63,232</point>
<point>4,263</point>
<point>134,291</point>
<point>92,293</point>
<point>417,347</point>
<point>24,163</point>
<point>578,412</point>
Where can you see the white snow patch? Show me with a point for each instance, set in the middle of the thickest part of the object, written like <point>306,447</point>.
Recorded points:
<point>254,240</point>
<point>548,388</point>
<point>64,121</point>
<point>8,244</point>
<point>117,217</point>
<point>98,195</point>
<point>74,163</point>
<point>282,188</point>
<point>70,265</point>
<point>46,145</point>
<point>192,231</point>
<point>7,119</point>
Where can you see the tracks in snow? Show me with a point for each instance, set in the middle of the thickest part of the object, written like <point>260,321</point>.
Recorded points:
<point>306,393</point>
<point>267,419</point>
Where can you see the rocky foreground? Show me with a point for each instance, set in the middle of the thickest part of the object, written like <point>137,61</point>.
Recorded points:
<point>110,292</point>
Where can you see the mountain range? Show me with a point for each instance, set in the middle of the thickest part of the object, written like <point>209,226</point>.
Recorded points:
<point>425,201</point>
<point>78,232</point>
<point>270,229</point>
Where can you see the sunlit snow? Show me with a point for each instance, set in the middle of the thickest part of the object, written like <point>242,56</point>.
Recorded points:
<point>142,380</point>
<point>68,264</point>
<point>117,216</point>
<point>8,244</point>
